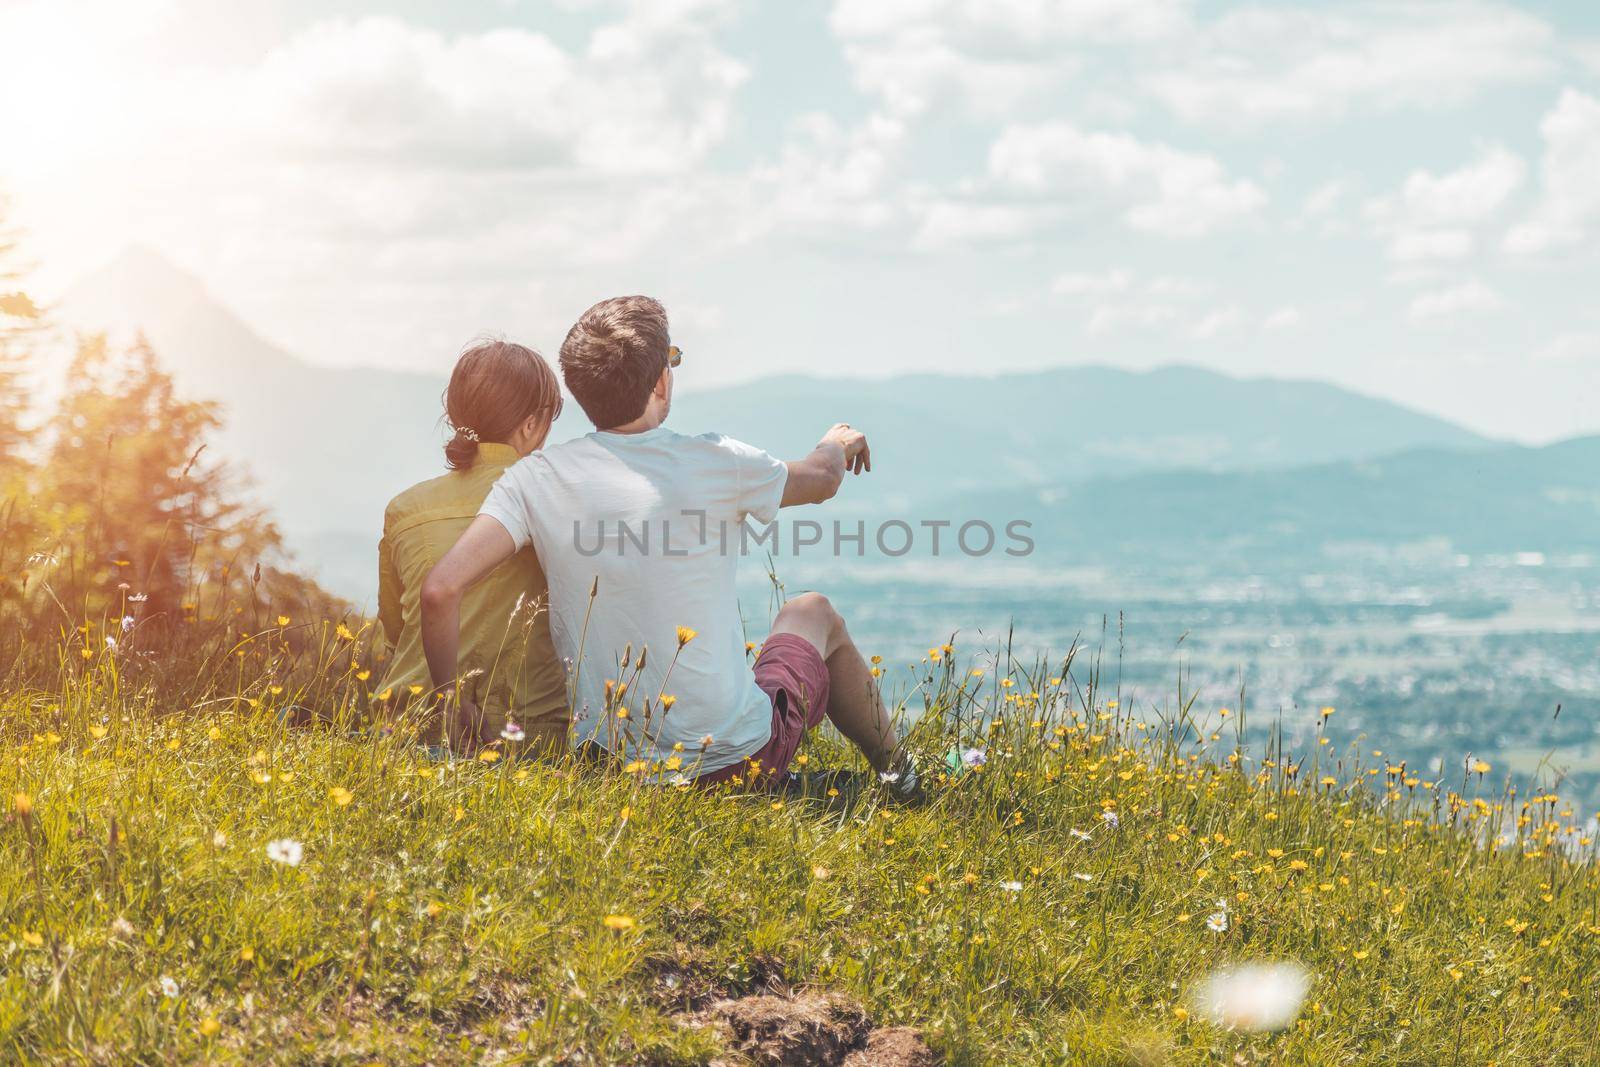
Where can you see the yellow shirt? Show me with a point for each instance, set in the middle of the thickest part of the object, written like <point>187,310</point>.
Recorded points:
<point>506,661</point>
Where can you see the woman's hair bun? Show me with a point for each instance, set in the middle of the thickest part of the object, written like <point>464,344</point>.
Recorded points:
<point>460,451</point>
<point>495,387</point>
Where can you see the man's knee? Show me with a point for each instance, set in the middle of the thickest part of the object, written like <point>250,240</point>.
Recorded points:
<point>816,615</point>
<point>816,606</point>
<point>810,602</point>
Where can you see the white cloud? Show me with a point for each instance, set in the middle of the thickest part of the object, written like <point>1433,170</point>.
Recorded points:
<point>432,179</point>
<point>1112,281</point>
<point>1575,347</point>
<point>948,222</point>
<point>1569,178</point>
<point>985,56</point>
<point>1160,189</point>
<point>1004,306</point>
<point>1246,66</point>
<point>644,94</point>
<point>1323,211</point>
<point>1409,247</point>
<point>1462,197</point>
<point>1110,318</point>
<point>648,91</point>
<point>1588,53</point>
<point>1119,299</point>
<point>1120,281</point>
<point>1469,298</point>
<point>1434,217</point>
<point>832,177</point>
<point>375,124</point>
<point>1284,318</point>
<point>1006,22</point>
<point>1216,323</point>
<point>914,71</point>
<point>1168,287</point>
<point>1265,64</point>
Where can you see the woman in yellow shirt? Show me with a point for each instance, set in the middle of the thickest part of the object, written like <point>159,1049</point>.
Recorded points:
<point>501,401</point>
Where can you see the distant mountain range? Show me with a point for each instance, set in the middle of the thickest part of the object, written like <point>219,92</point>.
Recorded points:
<point>328,447</point>
<point>1500,500</point>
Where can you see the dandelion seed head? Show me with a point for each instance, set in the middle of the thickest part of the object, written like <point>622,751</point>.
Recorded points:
<point>286,851</point>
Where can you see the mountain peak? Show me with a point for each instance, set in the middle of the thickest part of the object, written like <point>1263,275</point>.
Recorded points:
<point>141,273</point>
<point>211,350</point>
<point>137,290</point>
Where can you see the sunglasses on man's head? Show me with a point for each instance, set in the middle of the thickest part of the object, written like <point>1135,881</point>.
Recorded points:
<point>674,355</point>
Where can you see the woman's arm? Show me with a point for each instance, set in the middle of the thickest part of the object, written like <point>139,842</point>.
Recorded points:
<point>390,590</point>
<point>484,546</point>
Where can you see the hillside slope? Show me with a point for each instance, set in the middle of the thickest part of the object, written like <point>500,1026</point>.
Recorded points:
<point>207,885</point>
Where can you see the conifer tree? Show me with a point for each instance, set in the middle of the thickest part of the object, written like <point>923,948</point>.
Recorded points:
<point>21,323</point>
<point>140,506</point>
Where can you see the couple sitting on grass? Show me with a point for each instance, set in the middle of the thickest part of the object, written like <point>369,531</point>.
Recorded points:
<point>642,645</point>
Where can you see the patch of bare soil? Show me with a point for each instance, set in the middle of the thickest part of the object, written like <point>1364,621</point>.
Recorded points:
<point>811,1029</point>
<point>892,1046</point>
<point>685,980</point>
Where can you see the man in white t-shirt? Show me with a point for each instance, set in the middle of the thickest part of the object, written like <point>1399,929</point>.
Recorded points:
<point>639,531</point>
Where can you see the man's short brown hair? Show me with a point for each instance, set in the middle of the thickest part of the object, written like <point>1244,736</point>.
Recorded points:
<point>613,356</point>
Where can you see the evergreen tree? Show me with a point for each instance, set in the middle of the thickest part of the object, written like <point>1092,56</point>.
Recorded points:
<point>140,508</point>
<point>21,323</point>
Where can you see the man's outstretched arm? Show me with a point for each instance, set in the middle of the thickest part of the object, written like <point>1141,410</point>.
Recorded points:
<point>484,546</point>
<point>817,477</point>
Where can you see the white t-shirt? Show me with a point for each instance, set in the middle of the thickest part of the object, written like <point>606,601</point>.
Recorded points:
<point>655,518</point>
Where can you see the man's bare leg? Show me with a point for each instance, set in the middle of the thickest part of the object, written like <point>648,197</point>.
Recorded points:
<point>853,705</point>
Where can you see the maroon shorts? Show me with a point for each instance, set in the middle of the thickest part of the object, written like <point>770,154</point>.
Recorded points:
<point>789,669</point>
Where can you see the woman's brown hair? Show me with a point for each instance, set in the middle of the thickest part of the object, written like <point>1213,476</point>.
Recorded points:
<point>496,386</point>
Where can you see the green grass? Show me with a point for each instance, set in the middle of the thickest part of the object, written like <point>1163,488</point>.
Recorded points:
<point>450,912</point>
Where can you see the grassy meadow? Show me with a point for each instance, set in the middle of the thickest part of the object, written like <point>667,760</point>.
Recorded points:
<point>185,877</point>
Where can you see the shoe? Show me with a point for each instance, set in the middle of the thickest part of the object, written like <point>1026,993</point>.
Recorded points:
<point>904,784</point>
<point>837,786</point>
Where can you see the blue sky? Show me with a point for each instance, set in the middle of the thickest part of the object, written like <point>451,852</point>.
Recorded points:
<point>1402,197</point>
